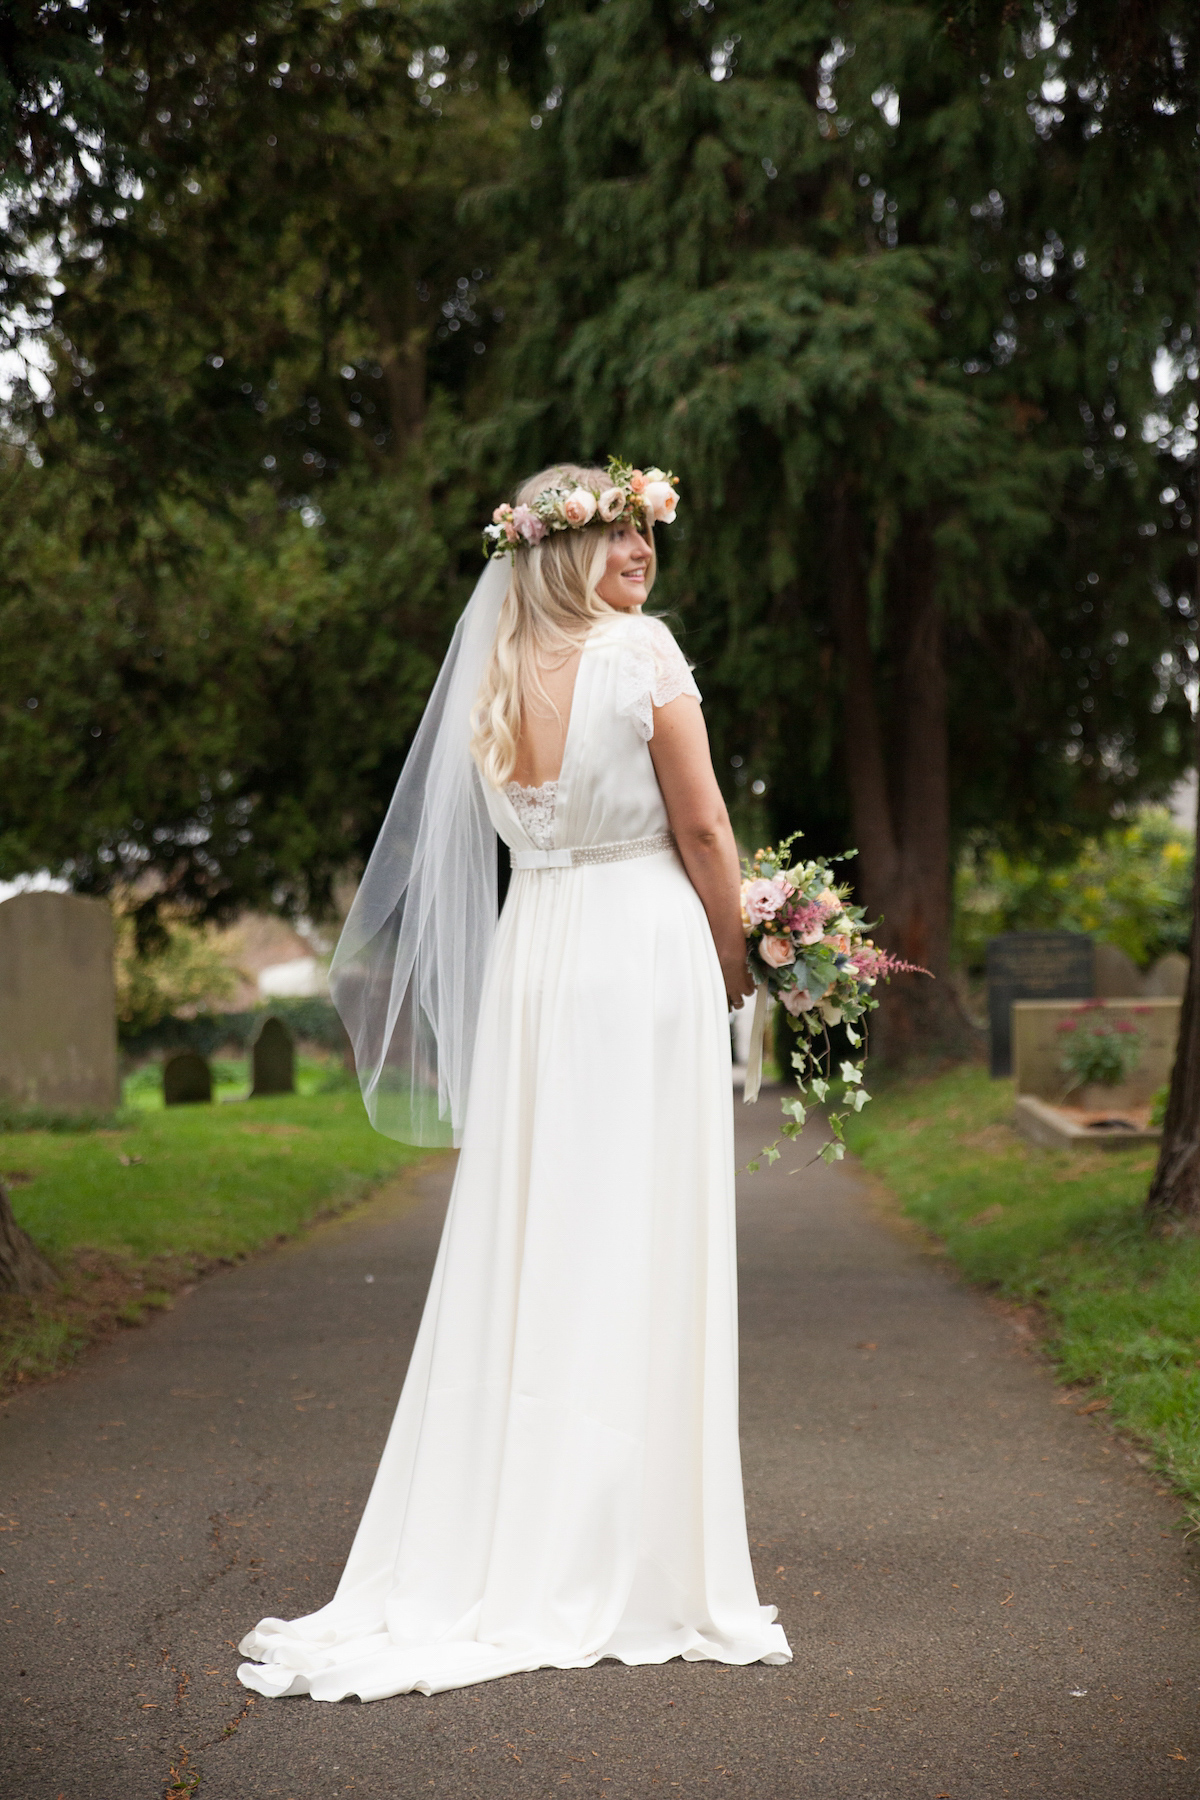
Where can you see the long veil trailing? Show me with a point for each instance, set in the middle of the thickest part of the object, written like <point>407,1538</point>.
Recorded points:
<point>408,969</point>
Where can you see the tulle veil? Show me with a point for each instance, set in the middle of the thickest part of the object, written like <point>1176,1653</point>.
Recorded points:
<point>408,969</point>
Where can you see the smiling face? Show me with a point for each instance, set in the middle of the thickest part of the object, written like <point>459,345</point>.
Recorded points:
<point>624,582</point>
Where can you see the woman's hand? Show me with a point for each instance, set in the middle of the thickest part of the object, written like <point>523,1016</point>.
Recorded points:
<point>738,983</point>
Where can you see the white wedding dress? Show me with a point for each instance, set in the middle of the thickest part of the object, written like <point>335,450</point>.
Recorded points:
<point>562,1481</point>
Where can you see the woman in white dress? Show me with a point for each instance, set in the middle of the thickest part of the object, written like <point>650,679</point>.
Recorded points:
<point>562,1481</point>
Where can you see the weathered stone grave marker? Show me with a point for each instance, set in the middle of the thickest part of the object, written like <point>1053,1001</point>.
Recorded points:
<point>1033,965</point>
<point>187,1079</point>
<point>274,1060</point>
<point>1168,979</point>
<point>58,1010</point>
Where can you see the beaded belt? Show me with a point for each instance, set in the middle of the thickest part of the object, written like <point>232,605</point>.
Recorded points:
<point>592,853</point>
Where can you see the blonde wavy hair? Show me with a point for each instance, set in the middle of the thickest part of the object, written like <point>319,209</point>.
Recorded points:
<point>550,607</point>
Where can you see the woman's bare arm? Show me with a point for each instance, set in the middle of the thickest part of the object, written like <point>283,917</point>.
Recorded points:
<point>702,830</point>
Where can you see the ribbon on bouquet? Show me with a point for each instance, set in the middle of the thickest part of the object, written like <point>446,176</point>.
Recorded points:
<point>754,1058</point>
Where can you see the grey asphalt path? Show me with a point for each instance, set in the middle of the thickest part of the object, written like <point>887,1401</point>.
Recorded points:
<point>985,1594</point>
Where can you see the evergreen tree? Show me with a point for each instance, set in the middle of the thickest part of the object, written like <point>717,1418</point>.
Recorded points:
<point>884,284</point>
<point>833,262</point>
<point>232,575</point>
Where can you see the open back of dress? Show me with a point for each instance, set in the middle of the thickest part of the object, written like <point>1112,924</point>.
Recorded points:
<point>562,1481</point>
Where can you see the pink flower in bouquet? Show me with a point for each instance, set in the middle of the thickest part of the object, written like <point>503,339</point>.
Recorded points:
<point>797,1000</point>
<point>776,951</point>
<point>762,899</point>
<point>531,528</point>
<point>836,941</point>
<point>808,922</point>
<point>871,963</point>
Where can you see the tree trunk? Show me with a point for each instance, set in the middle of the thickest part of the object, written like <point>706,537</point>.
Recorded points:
<point>1175,1190</point>
<point>898,775</point>
<point>23,1268</point>
<point>401,350</point>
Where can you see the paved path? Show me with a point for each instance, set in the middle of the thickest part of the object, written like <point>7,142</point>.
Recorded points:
<point>985,1594</point>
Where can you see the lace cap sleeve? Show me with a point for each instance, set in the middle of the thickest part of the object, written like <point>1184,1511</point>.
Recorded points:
<point>653,671</point>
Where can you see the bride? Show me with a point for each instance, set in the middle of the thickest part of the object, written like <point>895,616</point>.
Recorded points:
<point>562,1480</point>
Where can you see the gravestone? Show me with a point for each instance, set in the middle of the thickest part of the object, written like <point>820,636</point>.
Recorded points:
<point>1168,979</point>
<point>58,1008</point>
<point>1032,965</point>
<point>1115,976</point>
<point>274,1060</point>
<point>187,1079</point>
<point>1039,1042</point>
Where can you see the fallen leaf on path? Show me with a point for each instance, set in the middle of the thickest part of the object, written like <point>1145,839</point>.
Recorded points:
<point>1177,1756</point>
<point>1092,1406</point>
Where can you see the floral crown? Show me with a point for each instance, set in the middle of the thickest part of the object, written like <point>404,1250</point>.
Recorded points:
<point>638,497</point>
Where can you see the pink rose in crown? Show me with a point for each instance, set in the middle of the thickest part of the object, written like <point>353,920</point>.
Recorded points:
<point>776,952</point>
<point>530,527</point>
<point>797,1000</point>
<point>579,506</point>
<point>611,504</point>
<point>762,899</point>
<point>637,481</point>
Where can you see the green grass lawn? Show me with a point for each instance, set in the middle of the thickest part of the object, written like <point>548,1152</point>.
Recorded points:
<point>1063,1229</point>
<point>127,1214</point>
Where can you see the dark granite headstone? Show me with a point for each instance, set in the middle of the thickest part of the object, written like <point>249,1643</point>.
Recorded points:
<point>274,1060</point>
<point>187,1079</point>
<point>1033,965</point>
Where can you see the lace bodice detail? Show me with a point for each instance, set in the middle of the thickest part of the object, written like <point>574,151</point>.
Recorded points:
<point>653,672</point>
<point>535,807</point>
<point>606,791</point>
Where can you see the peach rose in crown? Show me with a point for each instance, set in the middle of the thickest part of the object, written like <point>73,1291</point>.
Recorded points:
<point>660,500</point>
<point>777,952</point>
<point>611,505</point>
<point>637,481</point>
<point>579,506</point>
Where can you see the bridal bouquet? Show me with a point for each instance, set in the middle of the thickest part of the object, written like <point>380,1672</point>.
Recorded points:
<point>807,947</point>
